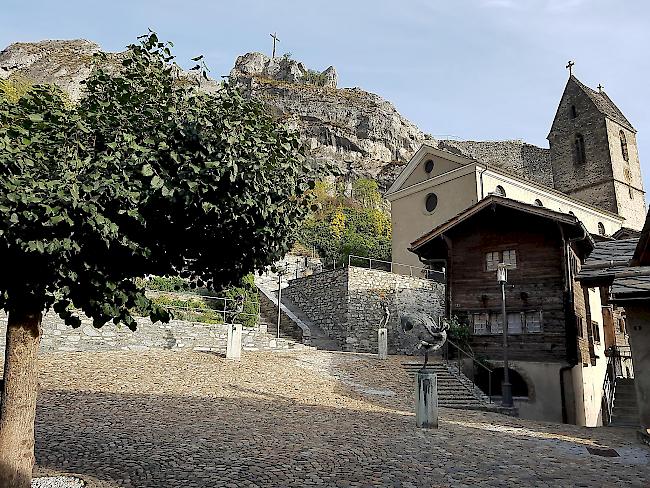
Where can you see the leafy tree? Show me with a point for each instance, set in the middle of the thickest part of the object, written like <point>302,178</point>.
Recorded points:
<point>366,191</point>
<point>145,176</point>
<point>356,225</point>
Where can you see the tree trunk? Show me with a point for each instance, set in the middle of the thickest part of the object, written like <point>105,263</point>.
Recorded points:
<point>19,399</point>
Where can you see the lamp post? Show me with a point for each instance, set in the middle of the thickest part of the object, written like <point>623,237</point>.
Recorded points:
<point>281,271</point>
<point>506,387</point>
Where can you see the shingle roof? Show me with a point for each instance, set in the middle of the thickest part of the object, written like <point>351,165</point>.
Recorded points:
<point>631,285</point>
<point>607,259</point>
<point>604,104</point>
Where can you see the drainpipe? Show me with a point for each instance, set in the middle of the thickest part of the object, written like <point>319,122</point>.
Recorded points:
<point>565,416</point>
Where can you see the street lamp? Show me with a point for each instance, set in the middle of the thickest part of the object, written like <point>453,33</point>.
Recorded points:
<point>506,387</point>
<point>282,270</point>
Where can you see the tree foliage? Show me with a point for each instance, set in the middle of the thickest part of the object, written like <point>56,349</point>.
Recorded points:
<point>145,175</point>
<point>356,225</point>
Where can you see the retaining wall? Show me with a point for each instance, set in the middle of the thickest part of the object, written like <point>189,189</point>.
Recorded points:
<point>347,305</point>
<point>176,334</point>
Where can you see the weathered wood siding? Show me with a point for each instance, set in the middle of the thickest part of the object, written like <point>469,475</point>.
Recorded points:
<point>537,284</point>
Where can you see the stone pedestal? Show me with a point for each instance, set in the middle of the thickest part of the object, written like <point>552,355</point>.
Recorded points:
<point>382,341</point>
<point>233,349</point>
<point>426,400</point>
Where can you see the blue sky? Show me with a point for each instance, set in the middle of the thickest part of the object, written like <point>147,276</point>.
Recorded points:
<point>473,69</point>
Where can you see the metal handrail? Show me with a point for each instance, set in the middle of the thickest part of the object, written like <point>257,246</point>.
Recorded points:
<point>609,387</point>
<point>223,311</point>
<point>393,264</point>
<point>474,361</point>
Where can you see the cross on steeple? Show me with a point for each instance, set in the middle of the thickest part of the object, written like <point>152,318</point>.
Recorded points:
<point>275,39</point>
<point>600,87</point>
<point>570,67</point>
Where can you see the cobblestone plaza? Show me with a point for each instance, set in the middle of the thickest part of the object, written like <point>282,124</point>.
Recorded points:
<point>310,418</point>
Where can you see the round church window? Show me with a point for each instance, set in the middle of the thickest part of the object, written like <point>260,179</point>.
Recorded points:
<point>428,166</point>
<point>431,202</point>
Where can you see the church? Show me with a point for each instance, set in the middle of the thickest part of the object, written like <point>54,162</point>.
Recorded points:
<point>466,206</point>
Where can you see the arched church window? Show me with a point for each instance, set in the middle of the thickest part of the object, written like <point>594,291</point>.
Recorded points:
<point>574,112</point>
<point>580,155</point>
<point>500,191</point>
<point>626,154</point>
<point>428,166</point>
<point>538,202</point>
<point>601,228</point>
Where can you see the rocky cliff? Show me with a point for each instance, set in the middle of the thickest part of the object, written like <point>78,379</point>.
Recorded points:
<point>361,132</point>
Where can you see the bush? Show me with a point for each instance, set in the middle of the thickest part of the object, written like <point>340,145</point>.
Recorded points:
<point>345,226</point>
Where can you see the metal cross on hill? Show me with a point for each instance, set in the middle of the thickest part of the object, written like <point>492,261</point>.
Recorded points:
<point>275,39</point>
<point>570,67</point>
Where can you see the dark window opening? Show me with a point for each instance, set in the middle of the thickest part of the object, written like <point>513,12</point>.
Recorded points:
<point>580,329</point>
<point>519,385</point>
<point>626,154</point>
<point>428,166</point>
<point>601,228</point>
<point>431,202</point>
<point>500,191</point>
<point>580,154</point>
<point>538,202</point>
<point>574,112</point>
<point>595,331</point>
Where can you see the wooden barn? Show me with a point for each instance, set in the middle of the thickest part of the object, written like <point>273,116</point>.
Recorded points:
<point>555,325</point>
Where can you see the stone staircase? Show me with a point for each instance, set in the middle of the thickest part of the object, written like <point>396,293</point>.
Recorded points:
<point>625,412</point>
<point>454,390</point>
<point>294,322</point>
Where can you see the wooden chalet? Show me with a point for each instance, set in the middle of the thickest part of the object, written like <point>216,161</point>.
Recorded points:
<point>554,324</point>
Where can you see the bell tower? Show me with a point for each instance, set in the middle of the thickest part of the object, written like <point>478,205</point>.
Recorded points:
<point>594,153</point>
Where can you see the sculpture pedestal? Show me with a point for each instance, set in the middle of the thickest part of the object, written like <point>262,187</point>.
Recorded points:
<point>382,340</point>
<point>233,349</point>
<point>426,400</point>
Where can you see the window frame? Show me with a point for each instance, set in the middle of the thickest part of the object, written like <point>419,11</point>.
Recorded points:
<point>500,253</point>
<point>580,151</point>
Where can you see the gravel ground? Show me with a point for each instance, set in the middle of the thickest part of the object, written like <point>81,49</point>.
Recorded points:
<point>182,419</point>
<point>57,482</point>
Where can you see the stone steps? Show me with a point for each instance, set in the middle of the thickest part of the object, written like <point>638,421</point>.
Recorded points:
<point>625,412</point>
<point>454,391</point>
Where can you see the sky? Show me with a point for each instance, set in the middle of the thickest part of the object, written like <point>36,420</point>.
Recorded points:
<point>470,69</point>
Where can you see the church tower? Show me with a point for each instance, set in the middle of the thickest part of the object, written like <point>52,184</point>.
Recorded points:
<point>594,153</point>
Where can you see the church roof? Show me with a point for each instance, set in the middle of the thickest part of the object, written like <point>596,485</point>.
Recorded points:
<point>604,104</point>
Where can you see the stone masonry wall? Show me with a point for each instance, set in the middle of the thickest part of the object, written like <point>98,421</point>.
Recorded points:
<point>177,334</point>
<point>323,298</point>
<point>347,304</point>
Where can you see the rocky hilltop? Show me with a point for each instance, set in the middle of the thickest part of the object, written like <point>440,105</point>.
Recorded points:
<point>361,132</point>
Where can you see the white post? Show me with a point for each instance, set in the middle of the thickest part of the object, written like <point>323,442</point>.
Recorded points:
<point>426,400</point>
<point>382,338</point>
<point>233,349</point>
<point>279,301</point>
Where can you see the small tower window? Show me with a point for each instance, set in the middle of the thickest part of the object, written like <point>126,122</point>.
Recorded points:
<point>601,229</point>
<point>428,166</point>
<point>580,155</point>
<point>626,154</point>
<point>538,202</point>
<point>500,191</point>
<point>574,112</point>
<point>631,192</point>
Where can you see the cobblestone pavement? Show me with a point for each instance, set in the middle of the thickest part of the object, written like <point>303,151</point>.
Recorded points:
<point>174,419</point>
